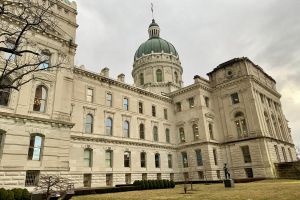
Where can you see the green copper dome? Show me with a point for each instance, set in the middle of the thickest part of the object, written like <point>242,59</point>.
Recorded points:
<point>155,44</point>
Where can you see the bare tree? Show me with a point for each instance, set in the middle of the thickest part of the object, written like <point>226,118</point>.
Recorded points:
<point>20,55</point>
<point>51,184</point>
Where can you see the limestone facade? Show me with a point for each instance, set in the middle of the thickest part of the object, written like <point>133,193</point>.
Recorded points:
<point>100,131</point>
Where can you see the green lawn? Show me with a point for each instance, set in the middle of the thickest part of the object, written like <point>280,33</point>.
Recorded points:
<point>260,190</point>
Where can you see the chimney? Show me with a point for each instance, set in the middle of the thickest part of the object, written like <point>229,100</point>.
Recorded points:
<point>197,79</point>
<point>121,78</point>
<point>105,72</point>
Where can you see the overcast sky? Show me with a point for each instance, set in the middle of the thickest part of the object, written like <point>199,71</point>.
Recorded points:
<point>205,34</point>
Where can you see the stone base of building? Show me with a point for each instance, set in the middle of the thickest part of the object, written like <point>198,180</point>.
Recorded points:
<point>229,183</point>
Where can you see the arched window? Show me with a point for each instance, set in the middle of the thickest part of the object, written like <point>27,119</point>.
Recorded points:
<point>176,77</point>
<point>35,147</point>
<point>240,124</point>
<point>40,99</point>
<point>159,75</point>
<point>195,132</point>
<point>167,135</point>
<point>181,135</point>
<point>5,93</point>
<point>109,127</point>
<point>88,154</point>
<point>142,131</point>
<point>141,77</point>
<point>155,133</point>
<point>270,130</point>
<point>143,159</point>
<point>89,122</point>
<point>157,160</point>
<point>126,129</point>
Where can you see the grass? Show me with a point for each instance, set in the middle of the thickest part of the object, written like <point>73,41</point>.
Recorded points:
<point>260,190</point>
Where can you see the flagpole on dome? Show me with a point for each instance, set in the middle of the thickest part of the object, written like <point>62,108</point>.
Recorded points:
<point>152,11</point>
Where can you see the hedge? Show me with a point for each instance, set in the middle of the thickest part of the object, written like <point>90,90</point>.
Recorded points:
<point>14,194</point>
<point>153,184</point>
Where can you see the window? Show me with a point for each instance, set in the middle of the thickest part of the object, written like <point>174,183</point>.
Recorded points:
<point>184,159</point>
<point>235,98</point>
<point>153,111</point>
<point>195,132</point>
<point>87,180</point>
<point>89,95</point>
<point>171,176</point>
<point>126,159</point>
<point>158,176</point>
<point>186,176</point>
<point>45,60</point>
<point>289,150</point>
<point>240,124</point>
<point>143,159</point>
<point>211,132</point>
<point>168,135</point>
<point>89,123</point>
<point>35,147</point>
<point>144,176</point>
<point>155,133</point>
<point>141,110</point>
<point>277,153</point>
<point>181,135</point>
<point>246,154</point>
<point>178,106</point>
<point>159,75</point>
<point>109,179</point>
<point>166,113</point>
<point>126,129</point>
<point>170,161</point>
<point>10,56</point>
<point>40,99</point>
<point>88,153</point>
<point>141,78</point>
<point>261,98</point>
<point>215,156</point>
<point>108,158</point>
<point>109,126</point>
<point>127,178</point>
<point>109,99</point>
<point>2,134</point>
<point>5,93</point>
<point>191,102</point>
<point>157,160</point>
<point>125,104</point>
<point>249,172</point>
<point>206,99</point>
<point>270,130</point>
<point>218,174</point>
<point>32,178</point>
<point>142,131</point>
<point>199,157</point>
<point>200,175</point>
<point>284,154</point>
<point>176,77</point>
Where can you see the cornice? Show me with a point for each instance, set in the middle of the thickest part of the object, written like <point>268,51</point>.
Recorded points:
<point>101,78</point>
<point>123,142</point>
<point>189,88</point>
<point>24,118</point>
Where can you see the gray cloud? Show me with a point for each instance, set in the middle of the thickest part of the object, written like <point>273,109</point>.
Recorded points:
<point>205,33</point>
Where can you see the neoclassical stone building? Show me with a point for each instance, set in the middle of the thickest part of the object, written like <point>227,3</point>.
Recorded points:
<point>101,131</point>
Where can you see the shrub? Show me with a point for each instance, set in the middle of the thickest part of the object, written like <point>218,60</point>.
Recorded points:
<point>10,195</point>
<point>151,186</point>
<point>146,185</point>
<point>18,193</point>
<point>26,195</point>
<point>172,184</point>
<point>3,193</point>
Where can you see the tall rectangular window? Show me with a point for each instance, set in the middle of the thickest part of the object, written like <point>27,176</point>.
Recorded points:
<point>1,141</point>
<point>170,161</point>
<point>261,98</point>
<point>109,99</point>
<point>88,154</point>
<point>215,156</point>
<point>277,153</point>
<point>35,147</point>
<point>127,159</point>
<point>141,108</point>
<point>89,95</point>
<point>284,154</point>
<point>143,159</point>
<point>166,113</point>
<point>235,98</point>
<point>167,135</point>
<point>153,111</point>
<point>199,157</point>
<point>249,172</point>
<point>191,102</point>
<point>108,158</point>
<point>127,178</point>
<point>109,179</point>
<point>184,159</point>
<point>206,99</point>
<point>158,176</point>
<point>218,174</point>
<point>211,131</point>
<point>178,106</point>
<point>144,176</point>
<point>246,154</point>
<point>200,175</point>
<point>125,104</point>
<point>171,176</point>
